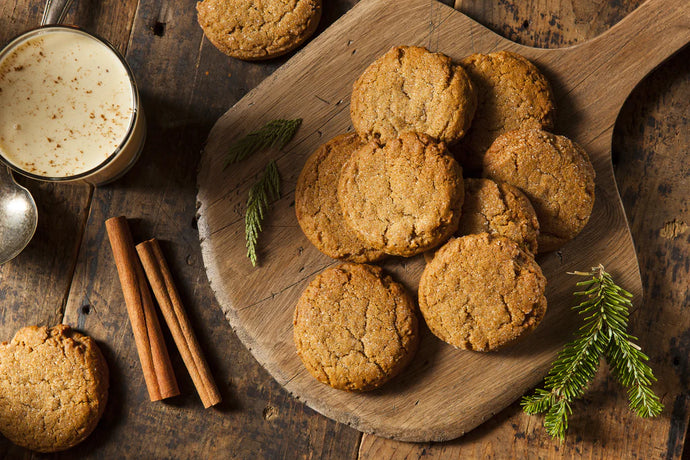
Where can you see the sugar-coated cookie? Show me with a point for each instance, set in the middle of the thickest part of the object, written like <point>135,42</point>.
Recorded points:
<point>499,209</point>
<point>316,202</point>
<point>511,94</point>
<point>556,175</point>
<point>412,89</point>
<point>481,292</point>
<point>53,388</point>
<point>354,327</point>
<point>250,30</point>
<point>404,196</point>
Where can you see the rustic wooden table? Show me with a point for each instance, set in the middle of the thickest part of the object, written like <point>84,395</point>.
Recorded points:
<point>67,274</point>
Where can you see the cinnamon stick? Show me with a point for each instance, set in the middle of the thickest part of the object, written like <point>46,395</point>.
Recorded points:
<point>168,298</point>
<point>153,354</point>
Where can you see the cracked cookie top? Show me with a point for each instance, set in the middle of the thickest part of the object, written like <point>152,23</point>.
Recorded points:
<point>511,94</point>
<point>481,292</point>
<point>53,388</point>
<point>498,208</point>
<point>402,197</point>
<point>412,89</point>
<point>556,175</point>
<point>316,202</point>
<point>354,327</point>
<point>246,29</point>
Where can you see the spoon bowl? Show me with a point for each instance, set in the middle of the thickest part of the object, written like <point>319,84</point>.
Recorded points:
<point>18,216</point>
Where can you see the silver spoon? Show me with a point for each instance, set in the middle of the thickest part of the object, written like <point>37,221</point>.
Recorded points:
<point>18,216</point>
<point>55,11</point>
<point>18,212</point>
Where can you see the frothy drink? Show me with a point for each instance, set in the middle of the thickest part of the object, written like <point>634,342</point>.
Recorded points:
<point>67,107</point>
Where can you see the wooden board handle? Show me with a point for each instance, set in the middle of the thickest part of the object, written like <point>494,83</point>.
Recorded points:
<point>616,61</point>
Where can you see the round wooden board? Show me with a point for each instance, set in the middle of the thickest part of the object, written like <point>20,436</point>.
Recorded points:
<point>444,392</point>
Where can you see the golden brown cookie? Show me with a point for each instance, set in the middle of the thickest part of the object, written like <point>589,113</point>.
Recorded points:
<point>556,175</point>
<point>354,327</point>
<point>402,197</point>
<point>250,30</point>
<point>412,89</point>
<point>316,202</point>
<point>53,388</point>
<point>498,208</point>
<point>511,94</point>
<point>481,292</point>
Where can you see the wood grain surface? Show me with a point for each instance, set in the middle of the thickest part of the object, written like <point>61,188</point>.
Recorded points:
<point>67,272</point>
<point>315,85</point>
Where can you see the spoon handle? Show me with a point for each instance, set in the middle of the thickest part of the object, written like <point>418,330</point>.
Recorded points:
<point>55,11</point>
<point>6,180</point>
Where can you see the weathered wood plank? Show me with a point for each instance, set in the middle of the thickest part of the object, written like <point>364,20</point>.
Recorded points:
<point>109,19</point>
<point>259,418</point>
<point>650,146</point>
<point>185,85</point>
<point>34,286</point>
<point>547,23</point>
<point>651,152</point>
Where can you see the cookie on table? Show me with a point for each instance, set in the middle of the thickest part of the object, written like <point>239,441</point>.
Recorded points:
<point>53,388</point>
<point>402,197</point>
<point>316,202</point>
<point>481,292</point>
<point>354,327</point>
<point>412,89</point>
<point>498,208</point>
<point>511,94</point>
<point>556,175</point>
<point>250,30</point>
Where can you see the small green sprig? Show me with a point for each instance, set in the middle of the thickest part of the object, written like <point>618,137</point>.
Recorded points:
<point>265,189</point>
<point>274,133</point>
<point>604,333</point>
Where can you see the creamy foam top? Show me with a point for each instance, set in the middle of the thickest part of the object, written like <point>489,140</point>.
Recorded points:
<point>66,103</point>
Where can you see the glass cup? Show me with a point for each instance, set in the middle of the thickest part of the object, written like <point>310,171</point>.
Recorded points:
<point>92,162</point>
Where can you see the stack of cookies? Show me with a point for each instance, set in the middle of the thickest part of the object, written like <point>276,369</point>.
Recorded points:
<point>393,187</point>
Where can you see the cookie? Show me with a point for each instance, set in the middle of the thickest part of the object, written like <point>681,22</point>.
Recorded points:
<point>354,327</point>
<point>481,292</point>
<point>53,388</point>
<point>316,202</point>
<point>402,197</point>
<point>250,30</point>
<point>556,175</point>
<point>511,94</point>
<point>412,89</point>
<point>498,208</point>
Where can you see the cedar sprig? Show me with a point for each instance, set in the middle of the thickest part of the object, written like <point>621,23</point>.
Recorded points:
<point>604,333</point>
<point>265,189</point>
<point>274,133</point>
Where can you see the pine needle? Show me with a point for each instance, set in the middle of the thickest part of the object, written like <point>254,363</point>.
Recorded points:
<point>604,333</point>
<point>265,189</point>
<point>274,133</point>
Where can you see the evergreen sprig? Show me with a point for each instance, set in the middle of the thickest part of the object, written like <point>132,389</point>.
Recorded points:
<point>274,133</point>
<point>265,189</point>
<point>604,333</point>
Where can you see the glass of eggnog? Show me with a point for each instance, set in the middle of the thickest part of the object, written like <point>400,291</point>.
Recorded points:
<point>69,107</point>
